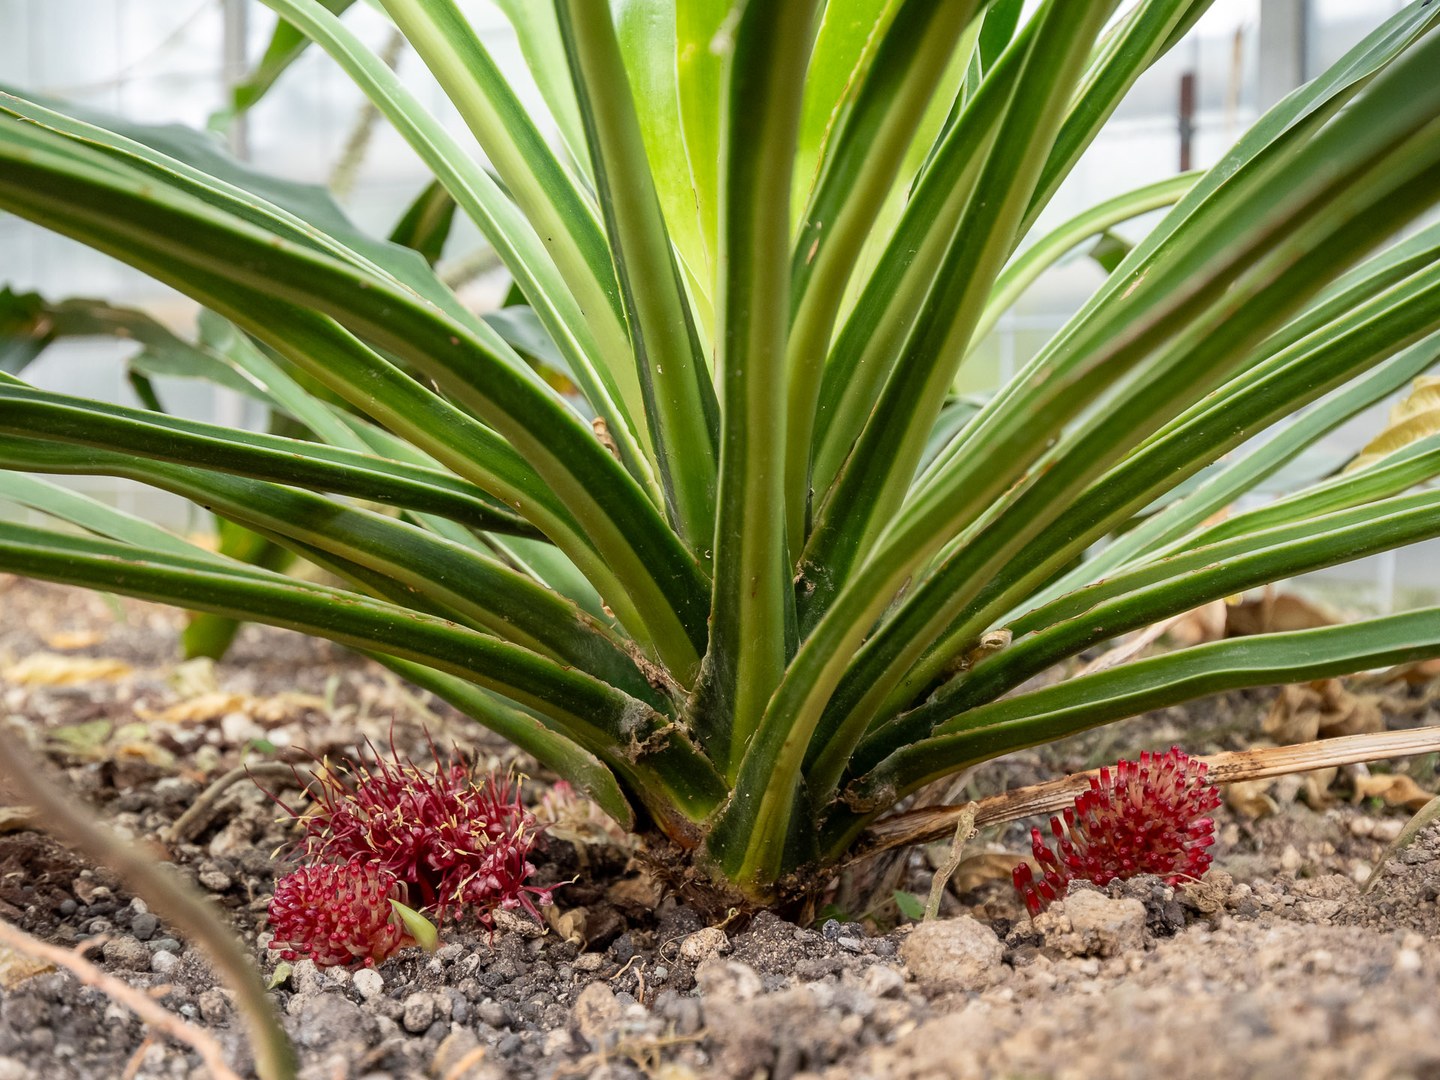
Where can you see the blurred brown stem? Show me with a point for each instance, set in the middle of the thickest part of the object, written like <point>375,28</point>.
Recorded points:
<point>143,1006</point>
<point>68,818</point>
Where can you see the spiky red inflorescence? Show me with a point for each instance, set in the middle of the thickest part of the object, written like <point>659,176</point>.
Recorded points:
<point>1146,818</point>
<point>337,913</point>
<point>453,838</point>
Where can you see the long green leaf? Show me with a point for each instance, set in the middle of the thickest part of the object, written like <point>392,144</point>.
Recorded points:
<point>1054,245</point>
<point>845,43</point>
<point>868,345</point>
<point>1416,464</point>
<point>648,33</point>
<point>29,324</point>
<point>1235,479</point>
<point>538,35</point>
<point>753,602</point>
<point>550,198</point>
<point>40,414</point>
<point>285,46</point>
<point>867,148</point>
<point>596,715</point>
<point>425,225</point>
<point>125,216</point>
<point>1146,33</point>
<point>482,591</point>
<point>593,345</point>
<point>94,516</point>
<point>679,399</point>
<point>700,44</point>
<point>1149,594</point>
<point>865,496</point>
<point>1291,378</point>
<point>1141,686</point>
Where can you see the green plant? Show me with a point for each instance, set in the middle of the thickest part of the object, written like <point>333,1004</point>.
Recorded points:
<point>762,574</point>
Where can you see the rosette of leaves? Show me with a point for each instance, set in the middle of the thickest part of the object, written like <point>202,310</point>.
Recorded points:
<point>763,574</point>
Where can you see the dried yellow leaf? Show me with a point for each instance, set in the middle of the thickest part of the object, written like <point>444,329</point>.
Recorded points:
<point>16,967</point>
<point>73,639</point>
<point>1416,417</point>
<point>1251,799</point>
<point>1396,789</point>
<point>50,669</point>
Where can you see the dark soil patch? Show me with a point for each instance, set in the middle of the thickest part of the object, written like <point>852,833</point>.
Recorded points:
<point>1275,965</point>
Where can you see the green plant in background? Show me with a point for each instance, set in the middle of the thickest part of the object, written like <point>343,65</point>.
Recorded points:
<point>762,574</point>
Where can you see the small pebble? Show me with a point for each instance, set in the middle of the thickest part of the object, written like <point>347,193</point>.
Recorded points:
<point>700,946</point>
<point>494,1014</point>
<point>946,955</point>
<point>1387,829</point>
<point>165,944</point>
<point>215,880</point>
<point>595,1012</point>
<point>883,980</point>
<point>369,983</point>
<point>419,1013</point>
<point>144,925</point>
<point>162,963</point>
<point>214,1005</point>
<point>127,953</point>
<point>510,1045</point>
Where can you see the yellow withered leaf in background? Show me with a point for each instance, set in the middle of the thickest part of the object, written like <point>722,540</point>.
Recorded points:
<point>1416,417</point>
<point>1396,789</point>
<point>16,967</point>
<point>50,669</point>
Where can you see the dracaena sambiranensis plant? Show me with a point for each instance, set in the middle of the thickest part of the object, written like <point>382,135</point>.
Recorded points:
<point>755,573</point>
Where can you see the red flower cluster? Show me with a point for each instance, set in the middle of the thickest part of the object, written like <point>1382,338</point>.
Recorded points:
<point>445,838</point>
<point>1145,819</point>
<point>338,913</point>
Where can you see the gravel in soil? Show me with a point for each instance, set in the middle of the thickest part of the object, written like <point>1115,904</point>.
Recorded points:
<point>1274,964</point>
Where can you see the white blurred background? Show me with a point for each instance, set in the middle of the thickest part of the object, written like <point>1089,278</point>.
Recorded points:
<point>172,60</point>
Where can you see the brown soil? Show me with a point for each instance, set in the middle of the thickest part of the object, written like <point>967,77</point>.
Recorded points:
<point>1275,965</point>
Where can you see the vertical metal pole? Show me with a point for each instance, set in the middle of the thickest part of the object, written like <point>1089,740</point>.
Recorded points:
<point>1282,49</point>
<point>1386,580</point>
<point>1187,120</point>
<point>234,64</point>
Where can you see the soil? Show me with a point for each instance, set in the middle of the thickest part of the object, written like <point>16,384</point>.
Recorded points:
<point>1275,965</point>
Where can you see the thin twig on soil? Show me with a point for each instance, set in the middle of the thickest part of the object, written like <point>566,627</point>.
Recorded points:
<point>935,822</point>
<point>141,1004</point>
<point>137,1059</point>
<point>171,898</point>
<point>195,818</point>
<point>964,830</point>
